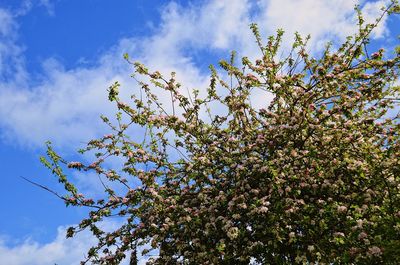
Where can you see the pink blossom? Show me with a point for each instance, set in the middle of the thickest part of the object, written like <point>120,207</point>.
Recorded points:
<point>362,235</point>
<point>374,251</point>
<point>341,209</point>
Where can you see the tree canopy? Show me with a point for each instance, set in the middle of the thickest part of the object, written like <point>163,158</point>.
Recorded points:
<point>310,178</point>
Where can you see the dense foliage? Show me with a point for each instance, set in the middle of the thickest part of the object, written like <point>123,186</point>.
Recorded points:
<point>311,177</point>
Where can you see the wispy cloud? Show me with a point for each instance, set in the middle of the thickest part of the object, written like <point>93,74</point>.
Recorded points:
<point>323,20</point>
<point>49,5</point>
<point>27,5</point>
<point>61,250</point>
<point>7,23</point>
<point>11,62</point>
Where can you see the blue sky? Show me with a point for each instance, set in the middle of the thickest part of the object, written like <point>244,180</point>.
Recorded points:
<point>58,57</point>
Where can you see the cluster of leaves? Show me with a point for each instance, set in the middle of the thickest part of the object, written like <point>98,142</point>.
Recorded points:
<point>311,178</point>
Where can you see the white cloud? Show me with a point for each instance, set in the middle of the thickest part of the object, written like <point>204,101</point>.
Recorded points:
<point>11,63</point>
<point>59,109</point>
<point>318,18</point>
<point>323,20</point>
<point>27,5</point>
<point>216,24</point>
<point>49,5</point>
<point>60,251</point>
<point>372,11</point>
<point>7,23</point>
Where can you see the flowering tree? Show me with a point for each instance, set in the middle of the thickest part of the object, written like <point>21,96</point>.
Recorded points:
<point>312,177</point>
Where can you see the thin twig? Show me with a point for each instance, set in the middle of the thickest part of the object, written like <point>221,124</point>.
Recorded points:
<point>43,187</point>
